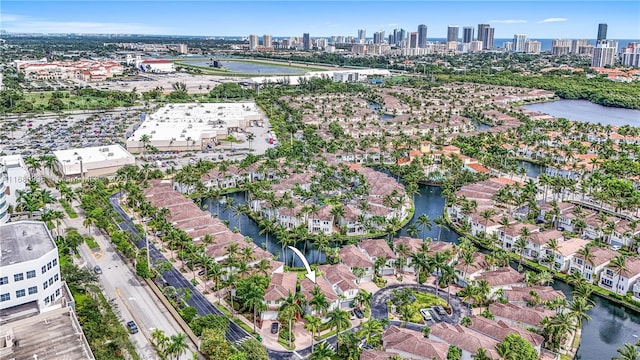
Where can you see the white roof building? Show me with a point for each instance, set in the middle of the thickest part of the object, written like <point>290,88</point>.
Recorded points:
<point>16,178</point>
<point>192,126</point>
<point>29,269</point>
<point>93,161</point>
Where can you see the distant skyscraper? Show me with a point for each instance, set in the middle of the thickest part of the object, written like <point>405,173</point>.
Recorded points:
<point>422,35</point>
<point>362,35</point>
<point>266,41</point>
<point>398,36</point>
<point>253,42</point>
<point>631,55</point>
<point>485,34</point>
<point>467,34</point>
<point>413,40</point>
<point>602,31</point>
<point>560,47</point>
<point>603,55</point>
<point>452,33</point>
<point>518,42</point>
<point>481,31</point>
<point>578,44</point>
<point>378,37</point>
<point>306,41</point>
<point>532,47</point>
<point>391,40</point>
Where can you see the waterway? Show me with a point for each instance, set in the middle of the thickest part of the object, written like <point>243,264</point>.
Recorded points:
<point>249,67</point>
<point>583,110</point>
<point>532,170</point>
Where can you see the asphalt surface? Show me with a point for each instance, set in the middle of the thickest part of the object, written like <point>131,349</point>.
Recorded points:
<point>174,278</point>
<point>379,304</point>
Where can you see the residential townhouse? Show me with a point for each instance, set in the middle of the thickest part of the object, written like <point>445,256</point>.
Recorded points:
<point>499,330</point>
<point>524,295</point>
<point>342,281</point>
<point>522,316</point>
<point>509,235</point>
<point>624,233</point>
<point>412,245</point>
<point>280,286</point>
<point>536,243</point>
<point>623,281</point>
<point>468,340</point>
<point>502,278</point>
<point>410,344</point>
<point>590,270</point>
<point>379,248</point>
<point>566,251</point>
<point>354,257</point>
<point>307,287</point>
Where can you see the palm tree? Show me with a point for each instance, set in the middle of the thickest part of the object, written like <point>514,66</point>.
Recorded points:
<point>587,257</point>
<point>322,352</point>
<point>424,222</point>
<point>481,354</point>
<point>371,330</point>
<point>313,324</point>
<point>289,309</point>
<point>252,299</point>
<point>578,310</point>
<point>177,345</point>
<point>319,302</point>
<point>448,277</point>
<point>339,319</point>
<point>627,352</point>
<point>619,265</point>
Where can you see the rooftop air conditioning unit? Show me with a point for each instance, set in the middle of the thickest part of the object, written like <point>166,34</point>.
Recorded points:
<point>109,154</point>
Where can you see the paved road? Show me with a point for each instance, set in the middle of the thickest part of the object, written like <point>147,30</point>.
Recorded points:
<point>174,278</point>
<point>379,303</point>
<point>134,300</point>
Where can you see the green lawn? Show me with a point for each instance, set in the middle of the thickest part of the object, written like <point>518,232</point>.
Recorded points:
<point>93,245</point>
<point>424,300</point>
<point>68,208</point>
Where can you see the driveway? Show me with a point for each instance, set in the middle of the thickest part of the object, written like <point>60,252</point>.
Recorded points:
<point>379,303</point>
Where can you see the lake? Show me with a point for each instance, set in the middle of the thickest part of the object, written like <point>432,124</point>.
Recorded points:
<point>249,67</point>
<point>583,110</point>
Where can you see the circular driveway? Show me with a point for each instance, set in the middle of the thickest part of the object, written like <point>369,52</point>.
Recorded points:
<point>379,302</point>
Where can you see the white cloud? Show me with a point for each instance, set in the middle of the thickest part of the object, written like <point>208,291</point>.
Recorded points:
<point>23,24</point>
<point>508,21</point>
<point>549,20</point>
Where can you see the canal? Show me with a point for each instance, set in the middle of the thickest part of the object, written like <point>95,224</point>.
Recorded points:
<point>609,328</point>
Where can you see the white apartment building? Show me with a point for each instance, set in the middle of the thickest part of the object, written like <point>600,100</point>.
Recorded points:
<point>29,269</point>
<point>17,177</point>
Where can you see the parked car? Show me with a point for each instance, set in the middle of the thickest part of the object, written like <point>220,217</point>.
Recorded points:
<point>220,157</point>
<point>440,310</point>
<point>202,272</point>
<point>275,326</point>
<point>352,315</point>
<point>426,315</point>
<point>97,269</point>
<point>132,327</point>
<point>359,313</point>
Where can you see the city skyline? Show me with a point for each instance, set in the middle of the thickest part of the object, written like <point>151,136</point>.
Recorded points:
<point>538,19</point>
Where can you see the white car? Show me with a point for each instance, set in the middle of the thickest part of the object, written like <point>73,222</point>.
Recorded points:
<point>426,315</point>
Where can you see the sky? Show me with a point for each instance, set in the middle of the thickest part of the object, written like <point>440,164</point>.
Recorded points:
<point>537,19</point>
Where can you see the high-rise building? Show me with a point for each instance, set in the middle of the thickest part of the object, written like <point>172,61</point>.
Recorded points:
<point>378,37</point>
<point>518,42</point>
<point>422,35</point>
<point>630,57</point>
<point>532,47</point>
<point>560,47</point>
<point>603,55</point>
<point>452,33</point>
<point>475,46</point>
<point>467,34</point>
<point>399,36</point>
<point>602,31</point>
<point>253,42</point>
<point>508,46</point>
<point>413,40</point>
<point>485,34</point>
<point>266,41</point>
<point>306,41</point>
<point>362,35</point>
<point>577,44</point>
<point>391,40</point>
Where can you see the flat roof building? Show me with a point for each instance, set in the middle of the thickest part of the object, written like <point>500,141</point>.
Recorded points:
<point>193,126</point>
<point>29,269</point>
<point>16,178</point>
<point>92,161</point>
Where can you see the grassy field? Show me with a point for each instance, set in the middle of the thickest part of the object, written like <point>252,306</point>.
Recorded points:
<point>40,101</point>
<point>224,72</point>
<point>424,300</point>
